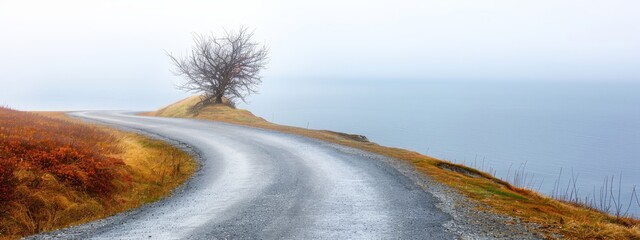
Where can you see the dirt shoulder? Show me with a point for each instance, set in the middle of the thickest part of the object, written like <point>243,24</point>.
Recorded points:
<point>491,204</point>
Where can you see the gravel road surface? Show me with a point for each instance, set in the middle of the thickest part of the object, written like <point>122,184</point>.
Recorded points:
<point>260,184</point>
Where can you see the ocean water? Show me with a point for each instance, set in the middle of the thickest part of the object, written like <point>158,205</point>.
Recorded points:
<point>590,130</point>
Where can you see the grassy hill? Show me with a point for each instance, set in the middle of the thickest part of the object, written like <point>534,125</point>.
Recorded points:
<point>226,113</point>
<point>57,172</point>
<point>555,217</point>
<point>222,112</point>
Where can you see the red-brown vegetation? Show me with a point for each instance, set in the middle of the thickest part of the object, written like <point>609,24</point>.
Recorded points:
<point>56,171</point>
<point>74,154</point>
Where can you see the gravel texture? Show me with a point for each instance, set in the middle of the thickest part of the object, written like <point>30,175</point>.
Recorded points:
<point>261,184</point>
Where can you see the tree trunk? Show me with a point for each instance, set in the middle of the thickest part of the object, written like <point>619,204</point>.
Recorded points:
<point>218,99</point>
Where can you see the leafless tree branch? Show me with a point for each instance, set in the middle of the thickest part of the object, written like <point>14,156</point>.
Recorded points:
<point>227,66</point>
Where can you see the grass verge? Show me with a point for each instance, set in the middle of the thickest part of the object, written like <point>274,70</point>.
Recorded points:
<point>42,199</point>
<point>555,217</point>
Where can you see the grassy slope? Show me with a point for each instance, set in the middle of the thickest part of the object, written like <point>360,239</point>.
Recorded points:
<point>554,216</point>
<point>153,169</point>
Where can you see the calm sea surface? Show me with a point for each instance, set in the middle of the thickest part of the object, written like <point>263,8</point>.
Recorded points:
<point>591,129</point>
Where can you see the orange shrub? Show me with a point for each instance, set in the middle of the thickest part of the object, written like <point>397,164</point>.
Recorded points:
<point>56,172</point>
<point>75,154</point>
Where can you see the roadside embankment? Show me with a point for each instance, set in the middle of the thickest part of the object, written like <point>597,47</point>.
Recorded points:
<point>553,218</point>
<point>57,171</point>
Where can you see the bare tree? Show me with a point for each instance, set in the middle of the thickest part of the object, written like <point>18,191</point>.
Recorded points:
<point>227,66</point>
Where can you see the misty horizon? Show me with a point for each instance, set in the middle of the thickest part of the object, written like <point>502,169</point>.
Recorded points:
<point>111,55</point>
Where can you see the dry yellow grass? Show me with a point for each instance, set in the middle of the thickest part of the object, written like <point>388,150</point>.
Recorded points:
<point>555,217</point>
<point>155,169</point>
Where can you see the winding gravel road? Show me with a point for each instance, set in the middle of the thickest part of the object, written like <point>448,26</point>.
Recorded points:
<point>259,184</point>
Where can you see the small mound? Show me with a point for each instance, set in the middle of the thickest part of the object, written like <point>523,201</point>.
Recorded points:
<point>190,108</point>
<point>354,137</point>
<point>464,170</point>
<point>471,172</point>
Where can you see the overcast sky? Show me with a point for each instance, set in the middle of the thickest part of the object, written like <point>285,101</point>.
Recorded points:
<point>110,54</point>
